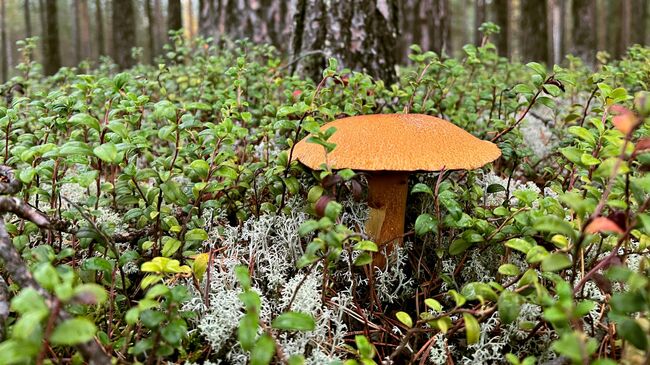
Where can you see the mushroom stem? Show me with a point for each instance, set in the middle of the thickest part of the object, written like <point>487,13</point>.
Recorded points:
<point>387,192</point>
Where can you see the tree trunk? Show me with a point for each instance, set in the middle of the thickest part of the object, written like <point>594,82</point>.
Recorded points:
<point>639,16</point>
<point>533,31</point>
<point>76,31</point>
<point>52,56</point>
<point>4,68</point>
<point>84,29</point>
<point>601,31</point>
<point>161,27</point>
<point>361,34</point>
<point>28,19</point>
<point>626,27</point>
<point>151,29</point>
<point>209,18</point>
<point>174,15</point>
<point>123,32</point>
<point>479,18</point>
<point>501,18</point>
<point>439,20</point>
<point>584,30</point>
<point>99,21</point>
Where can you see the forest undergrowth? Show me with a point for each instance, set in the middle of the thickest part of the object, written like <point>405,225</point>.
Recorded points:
<point>156,215</point>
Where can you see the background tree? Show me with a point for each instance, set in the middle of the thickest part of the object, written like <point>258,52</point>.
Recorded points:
<point>28,18</point>
<point>502,19</point>
<point>4,67</point>
<point>360,34</point>
<point>584,25</point>
<point>174,15</point>
<point>99,31</point>
<point>534,31</point>
<point>51,52</point>
<point>123,32</point>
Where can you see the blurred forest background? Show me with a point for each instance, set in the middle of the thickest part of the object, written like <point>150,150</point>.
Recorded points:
<point>365,34</point>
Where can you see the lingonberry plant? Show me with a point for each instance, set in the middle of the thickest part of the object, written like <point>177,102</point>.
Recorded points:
<point>158,214</point>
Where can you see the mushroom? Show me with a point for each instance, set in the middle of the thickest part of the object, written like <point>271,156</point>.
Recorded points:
<point>389,147</point>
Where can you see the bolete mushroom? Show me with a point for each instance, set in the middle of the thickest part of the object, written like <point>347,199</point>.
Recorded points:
<point>389,147</point>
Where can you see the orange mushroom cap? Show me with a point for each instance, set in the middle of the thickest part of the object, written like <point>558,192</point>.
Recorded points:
<point>398,142</point>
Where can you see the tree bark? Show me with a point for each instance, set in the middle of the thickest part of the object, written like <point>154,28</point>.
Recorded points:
<point>479,18</point>
<point>209,18</point>
<point>28,19</point>
<point>626,27</point>
<point>439,19</point>
<point>99,21</point>
<point>361,34</point>
<point>123,32</point>
<point>161,27</point>
<point>84,30</point>
<point>174,15</point>
<point>4,68</point>
<point>584,30</point>
<point>151,30</point>
<point>533,31</point>
<point>77,32</point>
<point>501,18</point>
<point>51,39</point>
<point>639,16</point>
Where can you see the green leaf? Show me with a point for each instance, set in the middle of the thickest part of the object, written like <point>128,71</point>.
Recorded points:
<point>433,304</point>
<point>495,188</point>
<point>294,321</point>
<point>363,259</point>
<point>553,224</point>
<point>404,318</point>
<point>472,328</point>
<point>197,234</point>
<point>509,305</point>
<point>247,331</point>
<point>421,188</point>
<point>424,224</point>
<point>366,246</point>
<point>174,332</point>
<point>241,272</point>
<point>519,245</point>
<point>263,352</point>
<point>509,270</point>
<point>73,331</point>
<point>170,246</point>
<point>556,262</point>
<point>85,120</point>
<point>107,152</point>
<point>365,347</point>
<point>630,330</point>
<point>539,69</point>
<point>458,246</point>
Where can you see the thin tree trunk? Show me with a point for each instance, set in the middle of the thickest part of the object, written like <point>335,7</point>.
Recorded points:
<point>4,68</point>
<point>151,29</point>
<point>479,18</point>
<point>174,15</point>
<point>51,39</point>
<point>123,32</point>
<point>639,17</point>
<point>533,31</point>
<point>209,18</point>
<point>161,26</point>
<point>361,34</point>
<point>84,30</point>
<point>99,21</point>
<point>28,19</point>
<point>502,19</point>
<point>601,31</point>
<point>584,34</point>
<point>77,32</point>
<point>440,26</point>
<point>626,27</point>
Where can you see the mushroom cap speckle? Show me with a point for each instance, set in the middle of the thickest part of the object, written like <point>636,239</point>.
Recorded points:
<point>398,142</point>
